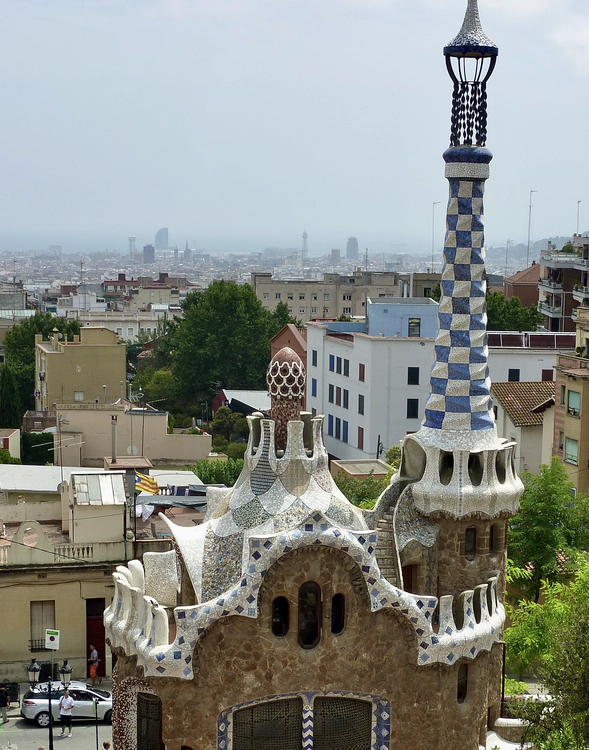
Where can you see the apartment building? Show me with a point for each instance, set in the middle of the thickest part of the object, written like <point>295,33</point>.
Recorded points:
<point>373,388</point>
<point>564,284</point>
<point>336,295</point>
<point>89,369</point>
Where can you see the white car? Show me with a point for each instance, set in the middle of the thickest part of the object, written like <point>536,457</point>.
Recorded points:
<point>89,703</point>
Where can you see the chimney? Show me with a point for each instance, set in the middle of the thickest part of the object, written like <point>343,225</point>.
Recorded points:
<point>113,425</point>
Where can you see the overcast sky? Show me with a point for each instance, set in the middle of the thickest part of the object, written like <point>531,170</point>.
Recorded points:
<point>240,123</point>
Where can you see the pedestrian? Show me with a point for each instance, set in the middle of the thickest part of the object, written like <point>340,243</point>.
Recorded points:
<point>41,747</point>
<point>93,664</point>
<point>4,703</point>
<point>66,705</point>
<point>106,745</point>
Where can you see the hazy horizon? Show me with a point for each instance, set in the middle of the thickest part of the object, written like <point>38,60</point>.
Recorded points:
<point>248,121</point>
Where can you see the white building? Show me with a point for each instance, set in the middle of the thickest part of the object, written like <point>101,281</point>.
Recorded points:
<point>375,387</point>
<point>524,415</point>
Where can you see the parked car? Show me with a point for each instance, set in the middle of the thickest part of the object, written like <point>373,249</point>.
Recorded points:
<point>35,703</point>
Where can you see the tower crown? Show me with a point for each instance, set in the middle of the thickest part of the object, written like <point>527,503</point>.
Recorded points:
<point>470,60</point>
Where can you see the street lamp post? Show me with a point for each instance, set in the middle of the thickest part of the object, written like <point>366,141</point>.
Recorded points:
<point>578,211</point>
<point>505,273</point>
<point>529,227</point>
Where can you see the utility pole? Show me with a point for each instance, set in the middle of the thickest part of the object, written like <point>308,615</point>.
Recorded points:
<point>529,228</point>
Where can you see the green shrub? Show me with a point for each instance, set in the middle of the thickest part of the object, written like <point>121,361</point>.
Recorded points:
<point>218,472</point>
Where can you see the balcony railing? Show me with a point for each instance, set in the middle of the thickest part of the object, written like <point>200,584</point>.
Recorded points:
<point>551,310</point>
<point>37,644</point>
<point>559,260</point>
<point>552,285</point>
<point>582,264</point>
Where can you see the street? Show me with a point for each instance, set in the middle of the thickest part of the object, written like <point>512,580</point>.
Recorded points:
<point>19,734</point>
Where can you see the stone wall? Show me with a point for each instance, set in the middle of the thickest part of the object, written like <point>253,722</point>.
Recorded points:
<point>241,660</point>
<point>458,572</point>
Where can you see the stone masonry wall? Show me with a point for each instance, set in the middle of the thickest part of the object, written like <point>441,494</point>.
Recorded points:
<point>457,572</point>
<point>240,659</point>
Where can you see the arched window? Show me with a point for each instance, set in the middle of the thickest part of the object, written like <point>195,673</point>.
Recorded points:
<point>338,613</point>
<point>342,723</point>
<point>280,616</point>
<point>470,542</point>
<point>309,614</point>
<point>268,726</point>
<point>462,683</point>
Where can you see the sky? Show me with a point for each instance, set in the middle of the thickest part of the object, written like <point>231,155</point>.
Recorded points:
<point>240,123</point>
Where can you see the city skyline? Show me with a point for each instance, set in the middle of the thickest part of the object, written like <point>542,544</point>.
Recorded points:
<point>240,124</point>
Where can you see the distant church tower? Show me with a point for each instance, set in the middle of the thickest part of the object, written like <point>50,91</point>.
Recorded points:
<point>289,619</point>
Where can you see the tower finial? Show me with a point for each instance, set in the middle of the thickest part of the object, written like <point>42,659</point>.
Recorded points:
<point>470,60</point>
<point>286,386</point>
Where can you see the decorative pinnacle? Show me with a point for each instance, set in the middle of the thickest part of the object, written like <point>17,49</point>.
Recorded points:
<point>471,40</point>
<point>286,386</point>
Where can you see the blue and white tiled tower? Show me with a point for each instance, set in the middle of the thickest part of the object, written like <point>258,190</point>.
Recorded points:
<point>461,465</point>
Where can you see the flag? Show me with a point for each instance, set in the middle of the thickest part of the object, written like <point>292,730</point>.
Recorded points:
<point>145,483</point>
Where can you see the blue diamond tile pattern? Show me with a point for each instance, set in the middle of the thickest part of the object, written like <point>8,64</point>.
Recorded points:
<point>460,386</point>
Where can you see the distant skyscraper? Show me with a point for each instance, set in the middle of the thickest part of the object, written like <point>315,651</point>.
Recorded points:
<point>305,247</point>
<point>352,248</point>
<point>148,254</point>
<point>176,254</point>
<point>132,245</point>
<point>187,253</point>
<point>335,255</point>
<point>161,239</point>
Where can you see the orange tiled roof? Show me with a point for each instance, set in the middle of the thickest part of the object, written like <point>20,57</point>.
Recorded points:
<point>529,275</point>
<point>520,400</point>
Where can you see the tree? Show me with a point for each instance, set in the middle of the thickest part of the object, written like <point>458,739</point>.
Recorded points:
<point>361,492</point>
<point>10,411</point>
<point>549,524</point>
<point>6,458</point>
<point>223,340</point>
<point>282,317</point>
<point>218,472</point>
<point>561,624</point>
<point>224,422</point>
<point>510,315</point>
<point>19,349</point>
<point>393,457</point>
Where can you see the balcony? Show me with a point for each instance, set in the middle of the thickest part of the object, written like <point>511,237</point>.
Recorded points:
<point>581,293</point>
<point>550,310</point>
<point>559,260</point>
<point>550,286</point>
<point>582,264</point>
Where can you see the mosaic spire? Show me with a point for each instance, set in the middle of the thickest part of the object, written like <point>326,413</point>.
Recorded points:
<point>460,384</point>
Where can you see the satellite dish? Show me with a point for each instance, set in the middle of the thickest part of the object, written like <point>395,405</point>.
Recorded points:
<point>132,450</point>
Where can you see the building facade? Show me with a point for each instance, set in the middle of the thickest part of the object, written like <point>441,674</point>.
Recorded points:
<point>372,388</point>
<point>336,295</point>
<point>89,369</point>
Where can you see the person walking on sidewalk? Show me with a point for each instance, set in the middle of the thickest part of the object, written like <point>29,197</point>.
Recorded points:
<point>66,705</point>
<point>4,703</point>
<point>93,664</point>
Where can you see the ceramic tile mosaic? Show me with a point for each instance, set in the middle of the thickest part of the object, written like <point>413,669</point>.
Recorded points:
<point>460,385</point>
<point>410,524</point>
<point>381,717</point>
<point>471,34</point>
<point>174,660</point>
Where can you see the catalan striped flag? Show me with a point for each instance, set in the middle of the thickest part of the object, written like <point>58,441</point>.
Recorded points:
<point>145,483</point>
